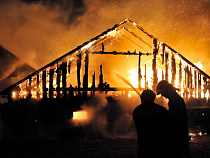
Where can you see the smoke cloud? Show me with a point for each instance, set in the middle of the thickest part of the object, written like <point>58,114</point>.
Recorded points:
<point>110,117</point>
<point>40,31</point>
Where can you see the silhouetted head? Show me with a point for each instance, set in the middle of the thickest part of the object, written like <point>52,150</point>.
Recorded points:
<point>147,96</point>
<point>165,88</point>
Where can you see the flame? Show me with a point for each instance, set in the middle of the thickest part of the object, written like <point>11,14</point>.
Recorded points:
<point>14,95</point>
<point>199,65</point>
<point>133,77</point>
<point>87,46</point>
<point>112,33</point>
<point>80,115</point>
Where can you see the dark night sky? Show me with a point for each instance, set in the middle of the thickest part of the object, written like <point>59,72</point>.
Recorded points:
<point>40,31</point>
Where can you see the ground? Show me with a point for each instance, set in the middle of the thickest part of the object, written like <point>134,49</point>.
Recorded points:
<point>94,148</point>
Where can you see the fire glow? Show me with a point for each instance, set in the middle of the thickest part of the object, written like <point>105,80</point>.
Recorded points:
<point>80,115</point>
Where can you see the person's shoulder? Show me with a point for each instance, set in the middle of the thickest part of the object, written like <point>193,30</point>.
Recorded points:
<point>176,99</point>
<point>137,109</point>
<point>160,107</point>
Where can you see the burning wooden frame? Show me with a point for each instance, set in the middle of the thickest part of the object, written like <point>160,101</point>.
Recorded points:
<point>165,63</point>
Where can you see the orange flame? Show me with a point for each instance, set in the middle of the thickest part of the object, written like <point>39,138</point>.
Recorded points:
<point>80,115</point>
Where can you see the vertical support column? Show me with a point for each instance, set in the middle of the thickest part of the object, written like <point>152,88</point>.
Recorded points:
<point>180,74</point>
<point>51,83</point>
<point>208,88</point>
<point>196,84</point>
<point>163,58</point>
<point>199,85</point>
<point>205,85</point>
<point>37,85</point>
<point>188,76</point>
<point>154,67</point>
<point>29,87</point>
<point>85,79</point>
<point>44,82</point>
<point>58,80</point>
<point>173,69</point>
<point>139,71</point>
<point>190,82</point>
<point>166,66</point>
<point>145,75</point>
<point>64,72</point>
<point>78,73</point>
<point>163,53</point>
<point>69,67</point>
<point>93,85</point>
<point>100,85</point>
<point>187,81</point>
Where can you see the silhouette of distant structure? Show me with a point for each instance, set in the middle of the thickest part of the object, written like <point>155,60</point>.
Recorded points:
<point>12,69</point>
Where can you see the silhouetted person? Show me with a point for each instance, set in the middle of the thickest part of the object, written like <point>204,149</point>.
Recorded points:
<point>151,125</point>
<point>178,121</point>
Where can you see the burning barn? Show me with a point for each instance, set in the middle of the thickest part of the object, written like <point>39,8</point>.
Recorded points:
<point>118,63</point>
<point>122,57</point>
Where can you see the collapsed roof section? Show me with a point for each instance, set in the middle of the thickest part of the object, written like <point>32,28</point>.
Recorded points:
<point>126,38</point>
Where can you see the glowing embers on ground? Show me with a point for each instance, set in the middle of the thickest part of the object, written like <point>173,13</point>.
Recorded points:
<point>195,135</point>
<point>81,115</point>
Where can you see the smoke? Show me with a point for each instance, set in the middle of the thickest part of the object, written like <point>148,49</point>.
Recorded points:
<point>10,70</point>
<point>110,117</point>
<point>42,30</point>
<point>36,31</point>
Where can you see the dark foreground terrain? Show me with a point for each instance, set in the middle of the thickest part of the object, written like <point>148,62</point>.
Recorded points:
<point>98,148</point>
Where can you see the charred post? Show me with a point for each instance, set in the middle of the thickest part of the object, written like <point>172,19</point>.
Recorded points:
<point>37,85</point>
<point>190,82</point>
<point>180,74</point>
<point>58,80</point>
<point>173,68</point>
<point>64,72</point>
<point>51,83</point>
<point>186,81</point>
<point>100,85</point>
<point>69,67</point>
<point>199,85</point>
<point>196,83</point>
<point>29,88</point>
<point>205,85</point>
<point>78,73</point>
<point>145,75</point>
<point>163,53</point>
<point>93,84</point>
<point>154,65</point>
<point>139,71</point>
<point>44,82</point>
<point>85,79</point>
<point>166,66</point>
